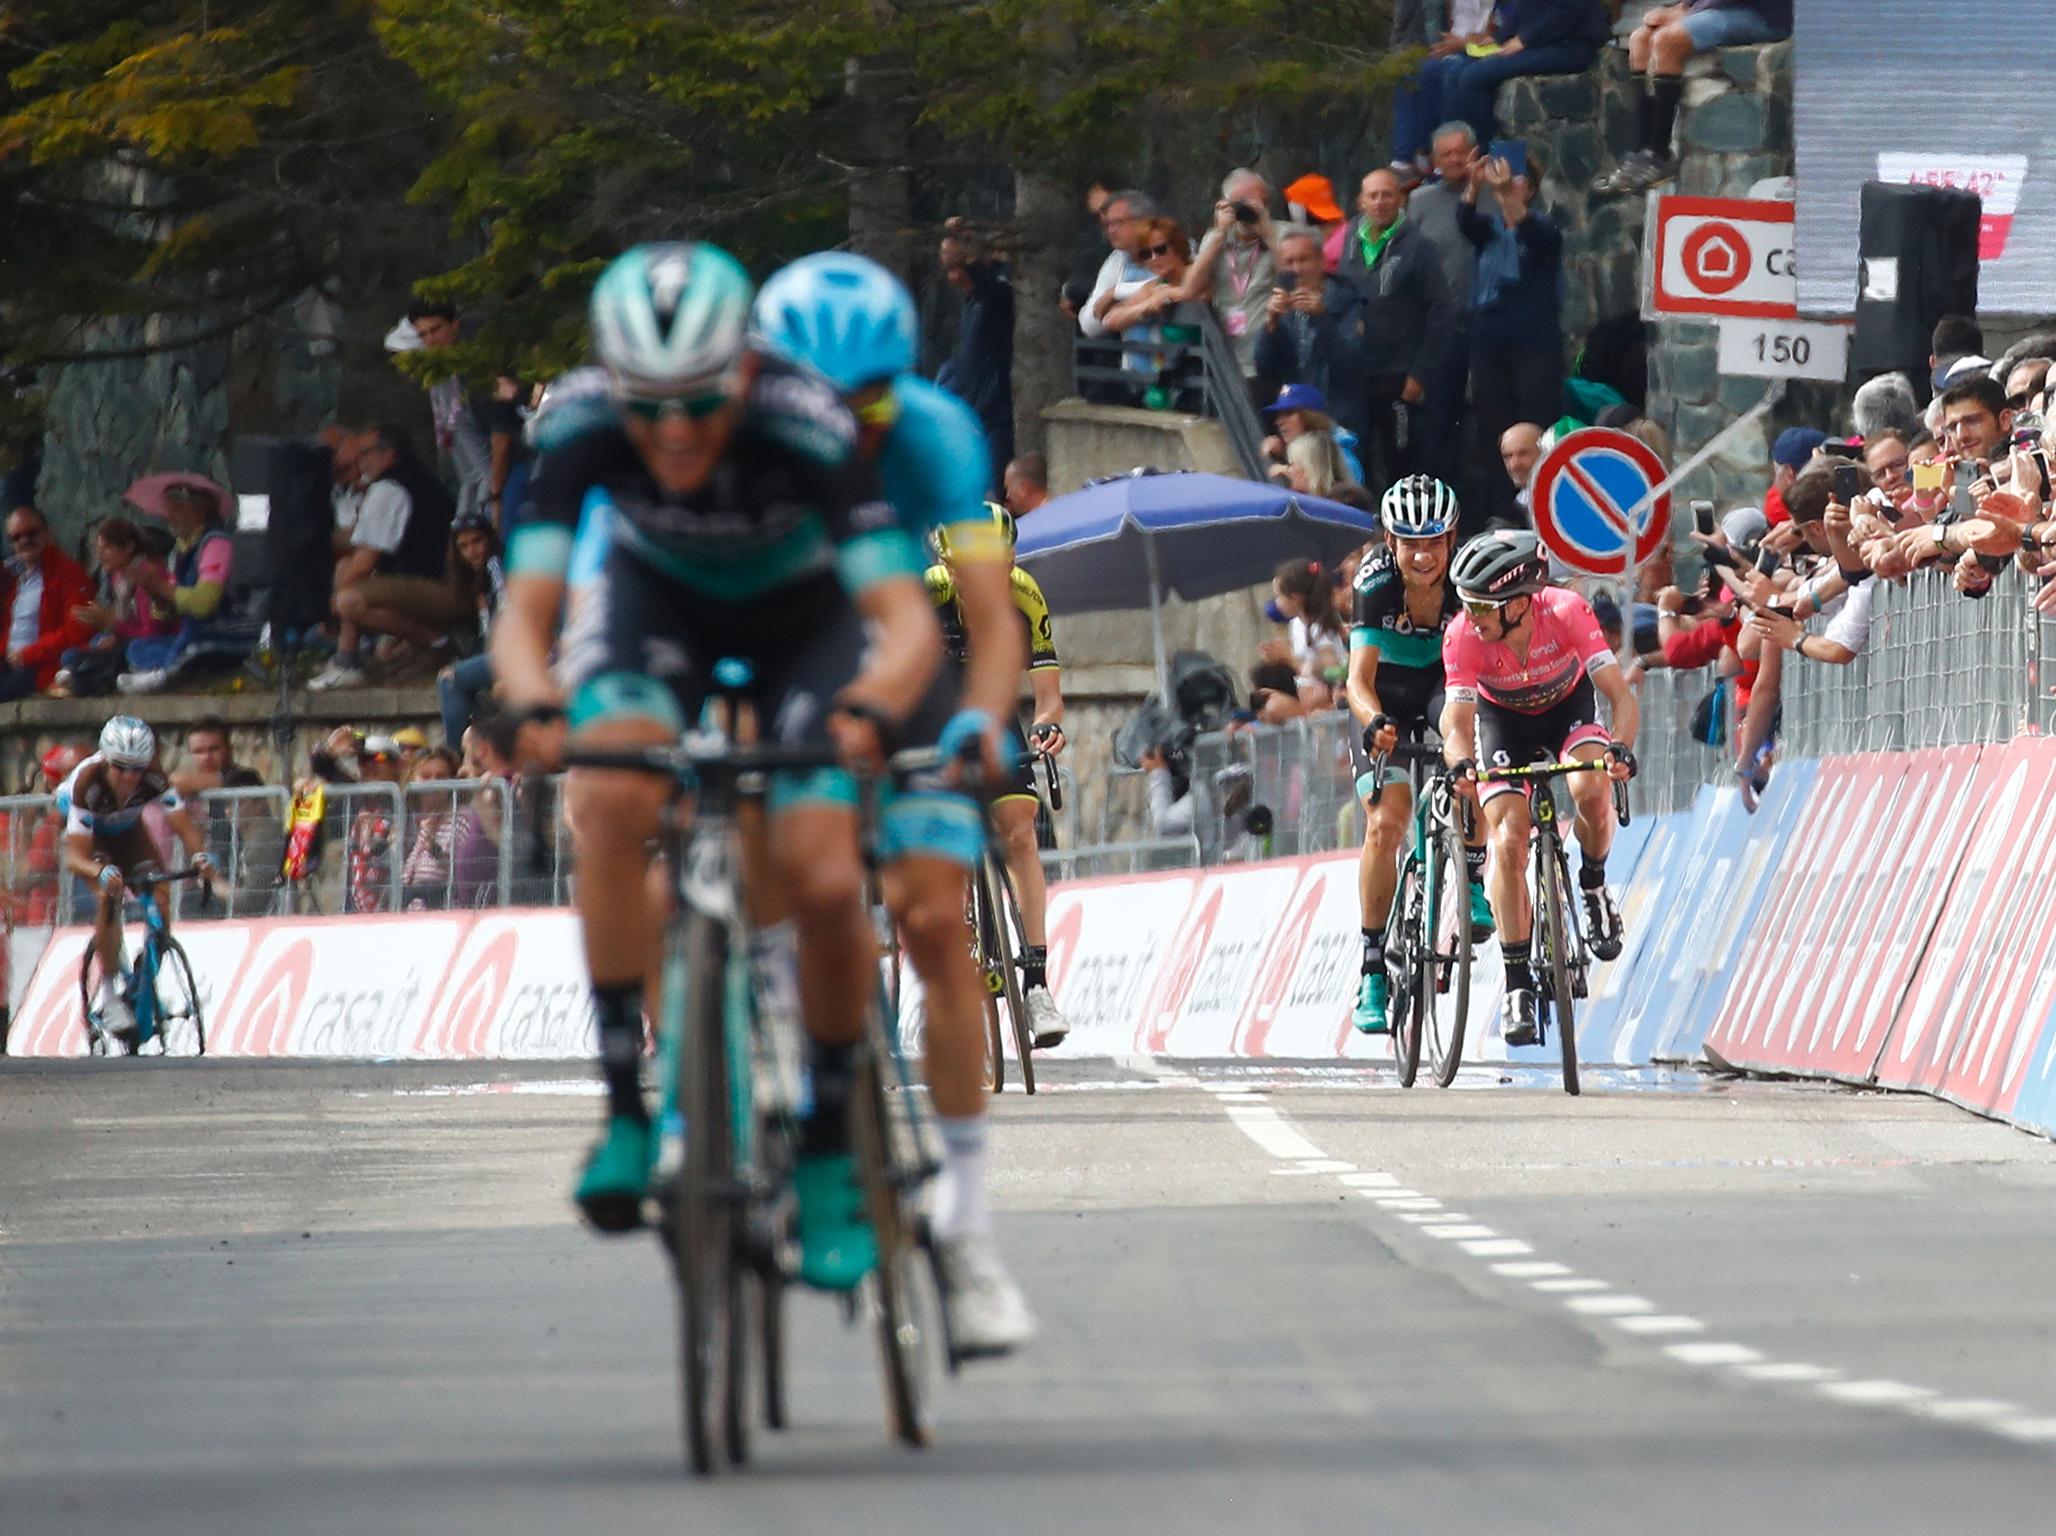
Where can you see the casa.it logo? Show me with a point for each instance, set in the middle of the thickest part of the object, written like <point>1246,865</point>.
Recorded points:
<point>1274,974</point>
<point>463,1024</point>
<point>1188,954</point>
<point>262,1024</point>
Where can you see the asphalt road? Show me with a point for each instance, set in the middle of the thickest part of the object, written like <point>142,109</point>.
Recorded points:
<point>312,1299</point>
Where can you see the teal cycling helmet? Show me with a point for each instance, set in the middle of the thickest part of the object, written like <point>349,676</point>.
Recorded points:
<point>667,316</point>
<point>842,315</point>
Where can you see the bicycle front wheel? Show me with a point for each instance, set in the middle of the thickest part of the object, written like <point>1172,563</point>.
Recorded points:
<point>1555,932</point>
<point>1408,977</point>
<point>899,1306</point>
<point>702,1216</point>
<point>98,1041</point>
<point>1449,924</point>
<point>181,1030</point>
<point>1007,928</point>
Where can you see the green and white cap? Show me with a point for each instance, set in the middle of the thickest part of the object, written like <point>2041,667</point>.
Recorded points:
<point>669,315</point>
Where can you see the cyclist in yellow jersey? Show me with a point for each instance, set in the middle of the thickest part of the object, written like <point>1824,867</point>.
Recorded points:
<point>1015,805</point>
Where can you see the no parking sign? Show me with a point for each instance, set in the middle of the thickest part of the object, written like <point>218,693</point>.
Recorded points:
<point>1592,504</point>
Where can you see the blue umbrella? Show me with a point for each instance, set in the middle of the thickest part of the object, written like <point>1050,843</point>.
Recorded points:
<point>1127,542</point>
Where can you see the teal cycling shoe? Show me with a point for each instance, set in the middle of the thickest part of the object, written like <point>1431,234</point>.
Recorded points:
<point>1371,999</point>
<point>838,1248</point>
<point>617,1175</point>
<point>1481,915</point>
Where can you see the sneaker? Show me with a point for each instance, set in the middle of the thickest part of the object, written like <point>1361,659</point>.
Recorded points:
<point>1602,923</point>
<point>337,674</point>
<point>152,681</point>
<point>988,1315</point>
<point>1517,1024</point>
<point>1643,170</point>
<point>1046,1021</point>
<point>1481,915</point>
<point>1372,996</point>
<point>617,1175</point>
<point>837,1246</point>
<point>118,1023</point>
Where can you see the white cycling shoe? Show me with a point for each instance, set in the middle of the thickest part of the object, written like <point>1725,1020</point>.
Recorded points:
<point>1047,1025</point>
<point>118,1023</point>
<point>988,1315</point>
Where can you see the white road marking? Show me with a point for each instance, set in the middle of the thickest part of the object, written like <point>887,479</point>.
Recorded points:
<point>1589,1298</point>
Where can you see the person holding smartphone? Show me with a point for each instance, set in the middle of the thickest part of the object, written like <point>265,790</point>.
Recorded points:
<point>1516,333</point>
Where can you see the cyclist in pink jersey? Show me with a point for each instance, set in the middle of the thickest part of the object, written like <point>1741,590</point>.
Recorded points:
<point>1523,666</point>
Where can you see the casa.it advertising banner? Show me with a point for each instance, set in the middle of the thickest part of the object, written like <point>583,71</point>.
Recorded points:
<point>1881,94</point>
<point>502,984</point>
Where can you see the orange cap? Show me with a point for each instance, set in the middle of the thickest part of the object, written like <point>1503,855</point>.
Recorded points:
<point>1316,194</point>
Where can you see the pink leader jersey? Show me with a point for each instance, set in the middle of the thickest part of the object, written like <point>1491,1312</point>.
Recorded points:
<point>1566,644</point>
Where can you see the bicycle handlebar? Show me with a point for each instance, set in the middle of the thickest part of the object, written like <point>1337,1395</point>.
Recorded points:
<point>1405,752</point>
<point>678,759</point>
<point>1049,778</point>
<point>1535,772</point>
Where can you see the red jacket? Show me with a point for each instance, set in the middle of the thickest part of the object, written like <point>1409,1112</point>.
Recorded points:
<point>65,586</point>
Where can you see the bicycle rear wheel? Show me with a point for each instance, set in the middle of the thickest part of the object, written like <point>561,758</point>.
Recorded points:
<point>702,1227</point>
<point>1449,995</point>
<point>1007,926</point>
<point>901,1310</point>
<point>1555,930</point>
<point>1408,977</point>
<point>181,1030</point>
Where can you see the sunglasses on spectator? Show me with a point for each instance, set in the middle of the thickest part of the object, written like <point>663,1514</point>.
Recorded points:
<point>691,407</point>
<point>1157,250</point>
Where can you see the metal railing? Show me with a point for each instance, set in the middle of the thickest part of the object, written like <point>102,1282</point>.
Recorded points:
<point>1184,362</point>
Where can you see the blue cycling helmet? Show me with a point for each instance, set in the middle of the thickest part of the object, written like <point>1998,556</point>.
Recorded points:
<point>842,315</point>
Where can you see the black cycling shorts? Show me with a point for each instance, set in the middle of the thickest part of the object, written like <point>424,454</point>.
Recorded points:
<point>1416,716</point>
<point>1507,738</point>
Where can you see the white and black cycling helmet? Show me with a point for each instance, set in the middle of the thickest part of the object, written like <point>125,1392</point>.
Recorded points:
<point>127,742</point>
<point>1419,507</point>
<point>1504,563</point>
<point>671,315</point>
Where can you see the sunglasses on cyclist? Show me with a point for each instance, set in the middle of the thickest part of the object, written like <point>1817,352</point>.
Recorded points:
<point>1484,608</point>
<point>882,412</point>
<point>691,407</point>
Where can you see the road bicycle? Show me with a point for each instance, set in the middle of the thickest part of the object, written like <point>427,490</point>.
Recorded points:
<point>157,984</point>
<point>1428,960</point>
<point>1561,959</point>
<point>999,942</point>
<point>732,1095</point>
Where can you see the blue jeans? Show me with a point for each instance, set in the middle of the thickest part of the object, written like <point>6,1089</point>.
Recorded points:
<point>460,693</point>
<point>1731,28</point>
<point>1417,107</point>
<point>1467,90</point>
<point>156,652</point>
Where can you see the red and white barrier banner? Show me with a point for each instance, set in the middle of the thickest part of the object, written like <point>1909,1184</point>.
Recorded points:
<point>1987,981</point>
<point>431,985</point>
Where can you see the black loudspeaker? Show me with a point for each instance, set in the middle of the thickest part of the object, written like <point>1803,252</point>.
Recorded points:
<point>299,565</point>
<point>1919,262</point>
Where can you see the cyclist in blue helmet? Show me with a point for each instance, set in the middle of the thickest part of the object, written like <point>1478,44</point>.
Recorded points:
<point>850,321</point>
<point>699,501</point>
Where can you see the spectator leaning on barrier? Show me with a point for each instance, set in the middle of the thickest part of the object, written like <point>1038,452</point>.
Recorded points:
<point>1658,50</point>
<point>1140,317</point>
<point>1125,217</point>
<point>1536,37</point>
<point>41,591</point>
<point>244,836</point>
<point>1237,265</point>
<point>1312,329</point>
<point>1885,404</point>
<point>1409,323</point>
<point>1516,298</point>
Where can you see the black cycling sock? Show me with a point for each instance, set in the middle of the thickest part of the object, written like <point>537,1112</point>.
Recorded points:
<point>826,1130</point>
<point>1034,966</point>
<point>1520,975</point>
<point>1591,873</point>
<point>1665,92</point>
<point>1474,862</point>
<point>1374,951</point>
<point>621,1047</point>
<point>1645,110</point>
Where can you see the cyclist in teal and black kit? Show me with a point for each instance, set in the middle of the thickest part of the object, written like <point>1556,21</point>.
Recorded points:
<point>715,505</point>
<point>1404,601</point>
<point>853,323</point>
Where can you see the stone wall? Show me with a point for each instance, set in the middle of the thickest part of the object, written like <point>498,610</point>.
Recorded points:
<point>1734,131</point>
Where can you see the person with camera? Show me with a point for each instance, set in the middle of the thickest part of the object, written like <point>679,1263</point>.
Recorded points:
<point>1238,266</point>
<point>1403,601</point>
<point>1313,328</point>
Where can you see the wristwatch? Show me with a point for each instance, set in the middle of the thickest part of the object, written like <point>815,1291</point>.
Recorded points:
<point>1941,539</point>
